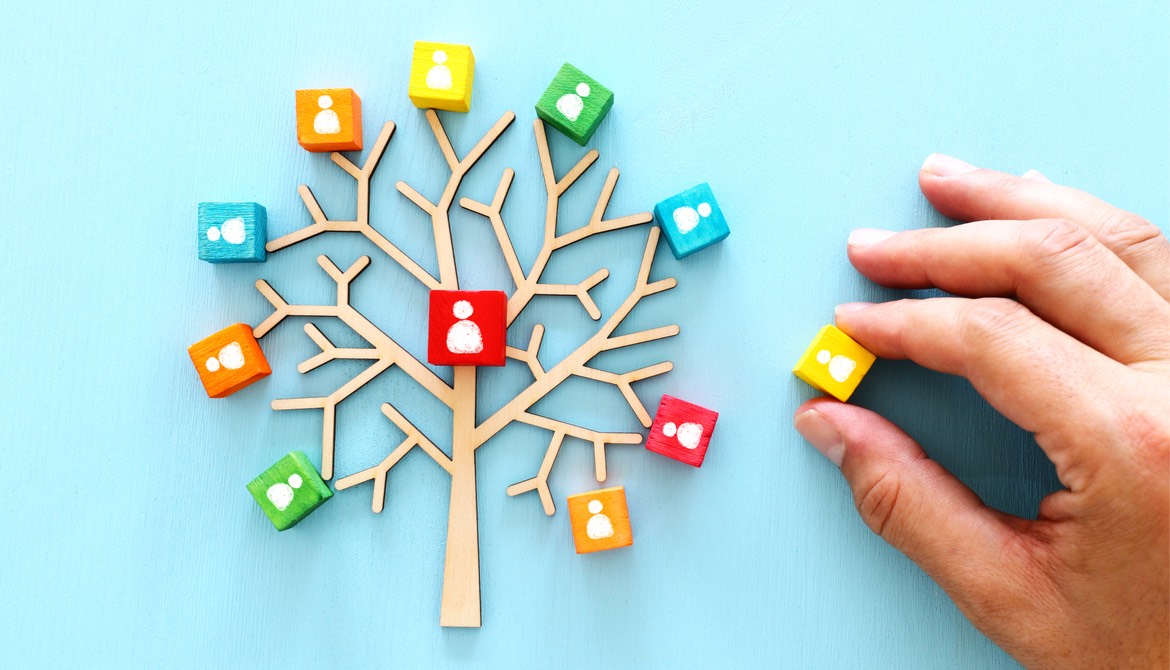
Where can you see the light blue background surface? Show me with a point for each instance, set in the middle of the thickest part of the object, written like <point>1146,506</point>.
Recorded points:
<point>128,538</point>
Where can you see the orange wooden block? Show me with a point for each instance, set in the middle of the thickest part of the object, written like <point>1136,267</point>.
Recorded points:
<point>329,119</point>
<point>229,360</point>
<point>600,520</point>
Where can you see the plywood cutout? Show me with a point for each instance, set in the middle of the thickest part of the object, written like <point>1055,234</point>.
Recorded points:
<point>460,603</point>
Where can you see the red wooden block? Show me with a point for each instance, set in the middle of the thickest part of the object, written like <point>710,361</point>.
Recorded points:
<point>681,431</point>
<point>468,328</point>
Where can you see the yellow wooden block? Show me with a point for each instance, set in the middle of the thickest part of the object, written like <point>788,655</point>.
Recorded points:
<point>834,363</point>
<point>441,76</point>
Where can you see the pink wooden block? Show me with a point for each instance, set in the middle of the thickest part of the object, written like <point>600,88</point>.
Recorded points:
<point>681,431</point>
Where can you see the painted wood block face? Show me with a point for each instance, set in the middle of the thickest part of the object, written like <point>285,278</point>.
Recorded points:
<point>441,76</point>
<point>574,103</point>
<point>834,363</point>
<point>468,328</point>
<point>229,360</point>
<point>600,520</point>
<point>691,221</point>
<point>329,119</point>
<point>232,232</point>
<point>682,431</point>
<point>289,490</point>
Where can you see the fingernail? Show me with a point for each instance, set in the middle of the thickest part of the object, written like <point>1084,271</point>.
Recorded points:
<point>1036,175</point>
<point>851,307</point>
<point>942,165</point>
<point>822,435</point>
<point>863,237</point>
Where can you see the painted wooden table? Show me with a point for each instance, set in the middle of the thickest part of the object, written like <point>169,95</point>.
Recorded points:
<point>128,536</point>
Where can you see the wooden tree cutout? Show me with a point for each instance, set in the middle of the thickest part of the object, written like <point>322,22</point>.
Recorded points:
<point>461,595</point>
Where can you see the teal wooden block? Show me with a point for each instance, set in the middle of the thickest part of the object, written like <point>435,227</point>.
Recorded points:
<point>691,221</point>
<point>232,232</point>
<point>574,103</point>
<point>289,490</point>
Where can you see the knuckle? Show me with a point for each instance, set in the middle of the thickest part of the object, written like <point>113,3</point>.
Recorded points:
<point>1148,430</point>
<point>877,503</point>
<point>989,320</point>
<point>1007,184</point>
<point>1129,233</point>
<point>1055,242</point>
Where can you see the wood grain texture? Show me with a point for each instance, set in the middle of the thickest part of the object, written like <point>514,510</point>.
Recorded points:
<point>329,119</point>
<point>600,520</point>
<point>228,360</point>
<point>574,103</point>
<point>442,76</point>
<point>232,232</point>
<point>682,431</point>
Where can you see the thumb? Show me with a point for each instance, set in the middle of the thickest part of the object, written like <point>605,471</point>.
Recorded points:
<point>972,551</point>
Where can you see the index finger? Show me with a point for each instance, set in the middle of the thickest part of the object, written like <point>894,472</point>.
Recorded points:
<point>964,192</point>
<point>1042,379</point>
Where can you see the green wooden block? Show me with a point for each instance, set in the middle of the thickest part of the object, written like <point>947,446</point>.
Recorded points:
<point>574,104</point>
<point>289,490</point>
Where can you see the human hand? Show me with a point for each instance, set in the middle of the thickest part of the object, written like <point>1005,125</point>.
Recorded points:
<point>1082,360</point>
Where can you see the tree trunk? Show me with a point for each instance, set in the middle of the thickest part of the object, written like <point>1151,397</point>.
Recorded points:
<point>460,606</point>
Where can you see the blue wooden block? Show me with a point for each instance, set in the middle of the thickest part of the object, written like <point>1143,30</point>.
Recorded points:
<point>691,221</point>
<point>232,232</point>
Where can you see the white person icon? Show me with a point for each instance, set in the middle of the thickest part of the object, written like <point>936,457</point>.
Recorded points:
<point>687,218</point>
<point>326,122</point>
<point>281,495</point>
<point>439,76</point>
<point>688,435</point>
<point>599,526</point>
<point>465,336</point>
<point>230,357</point>
<point>840,367</point>
<point>231,231</point>
<point>571,104</point>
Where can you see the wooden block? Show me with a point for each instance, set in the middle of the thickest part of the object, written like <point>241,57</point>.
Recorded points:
<point>441,76</point>
<point>468,328</point>
<point>232,232</point>
<point>834,363</point>
<point>600,520</point>
<point>329,119</point>
<point>691,221</point>
<point>574,103</point>
<point>681,430</point>
<point>229,360</point>
<point>289,490</point>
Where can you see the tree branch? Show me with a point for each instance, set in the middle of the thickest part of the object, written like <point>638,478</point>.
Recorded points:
<point>623,383</point>
<point>531,354</point>
<point>385,352</point>
<point>414,438</point>
<point>361,222</point>
<point>440,210</point>
<point>560,430</point>
<point>576,362</point>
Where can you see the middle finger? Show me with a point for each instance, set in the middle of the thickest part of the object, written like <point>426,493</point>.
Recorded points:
<point>1054,267</point>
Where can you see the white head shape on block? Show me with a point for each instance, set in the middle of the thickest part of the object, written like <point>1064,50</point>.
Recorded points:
<point>230,231</point>
<point>571,104</point>
<point>687,218</point>
<point>439,76</point>
<point>464,337</point>
<point>840,367</point>
<point>281,495</point>
<point>688,435</point>
<point>230,357</point>
<point>599,526</point>
<point>326,122</point>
